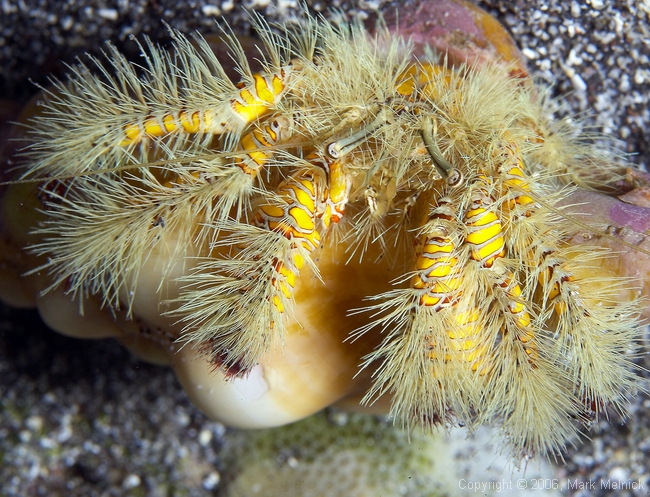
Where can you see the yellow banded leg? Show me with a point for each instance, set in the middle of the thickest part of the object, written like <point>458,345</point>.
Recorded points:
<point>250,103</point>
<point>258,144</point>
<point>522,320</point>
<point>294,216</point>
<point>436,265</point>
<point>515,182</point>
<point>484,231</point>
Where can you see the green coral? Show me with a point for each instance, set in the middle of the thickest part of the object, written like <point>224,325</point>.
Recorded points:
<point>333,454</point>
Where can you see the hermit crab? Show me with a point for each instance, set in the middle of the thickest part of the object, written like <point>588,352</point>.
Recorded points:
<point>349,223</point>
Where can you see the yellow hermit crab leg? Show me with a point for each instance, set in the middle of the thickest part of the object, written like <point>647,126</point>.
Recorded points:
<point>484,231</point>
<point>258,142</point>
<point>294,217</point>
<point>238,303</point>
<point>250,103</point>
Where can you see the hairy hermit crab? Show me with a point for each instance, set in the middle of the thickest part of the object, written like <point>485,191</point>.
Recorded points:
<point>348,223</point>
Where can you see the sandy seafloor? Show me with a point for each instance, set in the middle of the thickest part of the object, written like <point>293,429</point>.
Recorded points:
<point>82,418</point>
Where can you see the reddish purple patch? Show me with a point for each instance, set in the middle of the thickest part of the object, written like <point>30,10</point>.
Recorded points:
<point>632,216</point>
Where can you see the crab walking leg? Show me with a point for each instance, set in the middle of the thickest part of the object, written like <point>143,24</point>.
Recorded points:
<point>315,367</point>
<point>304,199</point>
<point>439,275</point>
<point>250,103</point>
<point>239,299</point>
<point>257,144</point>
<point>97,121</point>
<point>295,219</point>
<point>424,329</point>
<point>255,149</point>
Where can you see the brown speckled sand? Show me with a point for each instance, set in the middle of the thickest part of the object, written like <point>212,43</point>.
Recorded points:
<point>84,418</point>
